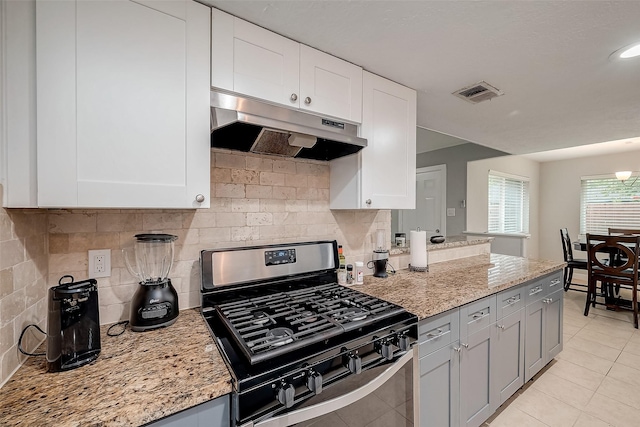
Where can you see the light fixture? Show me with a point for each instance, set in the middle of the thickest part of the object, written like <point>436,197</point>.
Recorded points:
<point>624,176</point>
<point>629,51</point>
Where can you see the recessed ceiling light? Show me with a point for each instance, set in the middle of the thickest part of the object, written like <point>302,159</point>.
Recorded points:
<point>629,51</point>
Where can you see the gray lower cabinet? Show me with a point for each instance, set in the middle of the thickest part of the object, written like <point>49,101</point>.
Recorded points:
<point>439,388</point>
<point>214,413</point>
<point>543,334</point>
<point>508,361</point>
<point>476,376</point>
<point>472,359</point>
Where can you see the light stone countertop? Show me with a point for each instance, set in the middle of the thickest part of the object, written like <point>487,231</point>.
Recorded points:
<point>449,242</point>
<point>138,378</point>
<point>454,283</point>
<point>142,377</point>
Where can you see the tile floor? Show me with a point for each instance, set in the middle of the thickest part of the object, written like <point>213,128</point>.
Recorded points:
<point>593,382</point>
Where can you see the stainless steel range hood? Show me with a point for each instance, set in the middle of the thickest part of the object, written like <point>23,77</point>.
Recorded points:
<point>246,124</point>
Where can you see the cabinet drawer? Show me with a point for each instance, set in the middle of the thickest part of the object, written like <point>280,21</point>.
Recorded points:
<point>510,301</point>
<point>477,315</point>
<point>553,283</point>
<point>535,291</point>
<point>438,331</point>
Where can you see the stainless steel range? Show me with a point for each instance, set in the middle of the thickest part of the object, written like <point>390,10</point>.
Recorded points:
<point>298,345</point>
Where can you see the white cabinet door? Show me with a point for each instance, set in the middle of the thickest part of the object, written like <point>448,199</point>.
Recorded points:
<point>383,174</point>
<point>329,85</point>
<point>253,61</point>
<point>123,104</point>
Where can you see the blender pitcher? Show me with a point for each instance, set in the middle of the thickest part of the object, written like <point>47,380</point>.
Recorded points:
<point>155,302</point>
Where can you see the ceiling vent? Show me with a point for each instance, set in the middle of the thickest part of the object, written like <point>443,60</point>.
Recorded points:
<point>478,92</point>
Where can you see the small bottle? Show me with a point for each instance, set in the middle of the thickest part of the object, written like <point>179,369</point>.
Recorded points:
<point>359,272</point>
<point>349,274</point>
<point>342,275</point>
<point>342,260</point>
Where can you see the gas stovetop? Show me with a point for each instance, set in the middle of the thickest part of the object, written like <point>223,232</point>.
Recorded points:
<point>270,325</point>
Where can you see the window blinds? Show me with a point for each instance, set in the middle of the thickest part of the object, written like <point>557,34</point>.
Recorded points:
<point>607,203</point>
<point>508,203</point>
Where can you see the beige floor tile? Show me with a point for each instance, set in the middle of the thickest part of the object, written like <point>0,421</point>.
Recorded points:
<point>588,333</point>
<point>575,373</point>
<point>622,315</point>
<point>569,329</point>
<point>547,409</point>
<point>612,411</point>
<point>586,360</point>
<point>625,373</point>
<point>620,391</point>
<point>513,416</point>
<point>635,338</point>
<point>586,420</point>
<point>406,409</point>
<point>593,347</point>
<point>577,319</point>
<point>389,419</point>
<point>629,359</point>
<point>614,327</point>
<point>633,347</point>
<point>564,390</point>
<point>331,419</point>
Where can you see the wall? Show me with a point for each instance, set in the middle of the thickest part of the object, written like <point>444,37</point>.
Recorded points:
<point>477,194</point>
<point>560,189</point>
<point>23,269</point>
<point>254,200</point>
<point>456,159</point>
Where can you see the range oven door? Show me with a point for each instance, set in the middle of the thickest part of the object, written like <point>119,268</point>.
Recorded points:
<point>391,383</point>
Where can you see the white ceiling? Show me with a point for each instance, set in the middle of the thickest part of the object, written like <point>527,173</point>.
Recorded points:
<point>591,150</point>
<point>550,58</point>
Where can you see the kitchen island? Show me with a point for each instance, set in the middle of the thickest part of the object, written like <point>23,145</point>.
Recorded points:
<point>143,377</point>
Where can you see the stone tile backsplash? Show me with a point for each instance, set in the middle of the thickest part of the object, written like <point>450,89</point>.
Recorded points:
<point>23,287</point>
<point>254,200</point>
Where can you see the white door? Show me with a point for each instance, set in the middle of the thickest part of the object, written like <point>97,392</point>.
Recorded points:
<point>123,97</point>
<point>430,211</point>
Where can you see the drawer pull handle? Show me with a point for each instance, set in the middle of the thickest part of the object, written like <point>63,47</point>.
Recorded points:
<point>513,300</point>
<point>535,290</point>
<point>433,335</point>
<point>555,282</point>
<point>478,315</point>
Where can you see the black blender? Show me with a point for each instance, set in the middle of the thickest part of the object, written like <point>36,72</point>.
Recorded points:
<point>380,255</point>
<point>155,303</point>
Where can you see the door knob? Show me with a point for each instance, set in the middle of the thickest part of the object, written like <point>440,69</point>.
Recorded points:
<point>199,198</point>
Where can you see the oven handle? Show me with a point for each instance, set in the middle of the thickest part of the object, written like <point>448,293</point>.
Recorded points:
<point>336,403</point>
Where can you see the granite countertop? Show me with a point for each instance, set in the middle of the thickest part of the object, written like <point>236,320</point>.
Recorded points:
<point>451,284</point>
<point>138,378</point>
<point>449,242</point>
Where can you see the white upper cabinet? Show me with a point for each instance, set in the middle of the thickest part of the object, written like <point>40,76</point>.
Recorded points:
<point>123,104</point>
<point>253,61</point>
<point>383,174</point>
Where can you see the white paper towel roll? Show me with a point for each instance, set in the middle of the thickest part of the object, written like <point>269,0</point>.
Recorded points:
<point>418,248</point>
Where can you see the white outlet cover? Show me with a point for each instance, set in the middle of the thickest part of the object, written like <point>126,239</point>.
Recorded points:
<point>93,273</point>
<point>451,211</point>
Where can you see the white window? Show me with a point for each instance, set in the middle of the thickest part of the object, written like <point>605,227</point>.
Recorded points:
<point>508,203</point>
<point>608,203</point>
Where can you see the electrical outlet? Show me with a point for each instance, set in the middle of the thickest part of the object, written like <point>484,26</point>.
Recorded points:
<point>451,211</point>
<point>99,263</point>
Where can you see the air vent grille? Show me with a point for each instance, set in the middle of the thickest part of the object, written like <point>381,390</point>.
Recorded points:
<point>478,92</point>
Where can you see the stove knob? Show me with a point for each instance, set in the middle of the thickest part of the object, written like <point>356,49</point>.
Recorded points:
<point>354,363</point>
<point>403,342</point>
<point>286,393</point>
<point>314,382</point>
<point>386,350</point>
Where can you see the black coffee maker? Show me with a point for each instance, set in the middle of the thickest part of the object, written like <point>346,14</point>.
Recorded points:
<point>73,327</point>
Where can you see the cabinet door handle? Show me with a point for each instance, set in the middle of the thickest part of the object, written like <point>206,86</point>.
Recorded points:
<point>293,97</point>
<point>457,349</point>
<point>464,345</point>
<point>432,335</point>
<point>199,198</point>
<point>500,327</point>
<point>368,202</point>
<point>307,100</point>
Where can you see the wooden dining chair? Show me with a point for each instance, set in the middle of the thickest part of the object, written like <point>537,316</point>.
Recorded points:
<point>624,231</point>
<point>624,276</point>
<point>572,263</point>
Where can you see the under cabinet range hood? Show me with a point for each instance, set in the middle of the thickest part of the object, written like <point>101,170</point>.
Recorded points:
<point>246,124</point>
